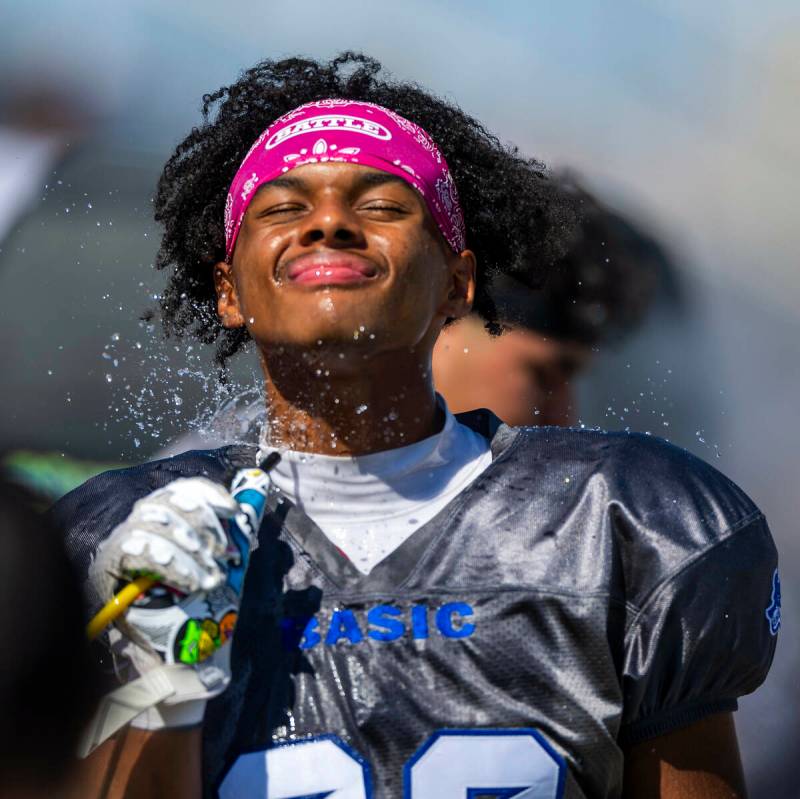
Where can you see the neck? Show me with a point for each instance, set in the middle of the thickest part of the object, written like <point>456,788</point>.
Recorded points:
<point>315,404</point>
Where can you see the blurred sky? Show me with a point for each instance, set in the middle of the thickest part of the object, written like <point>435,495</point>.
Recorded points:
<point>684,114</point>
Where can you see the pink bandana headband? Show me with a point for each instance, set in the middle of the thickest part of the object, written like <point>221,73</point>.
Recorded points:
<point>351,132</point>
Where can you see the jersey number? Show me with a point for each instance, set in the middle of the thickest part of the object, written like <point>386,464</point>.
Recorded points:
<point>451,764</point>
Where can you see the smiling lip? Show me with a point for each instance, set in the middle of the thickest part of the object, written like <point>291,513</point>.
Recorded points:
<point>330,269</point>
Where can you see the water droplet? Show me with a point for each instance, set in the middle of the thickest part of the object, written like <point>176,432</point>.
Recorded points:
<point>361,408</point>
<point>108,378</point>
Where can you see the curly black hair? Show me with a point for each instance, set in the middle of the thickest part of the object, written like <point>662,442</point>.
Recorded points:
<point>602,288</point>
<point>518,222</point>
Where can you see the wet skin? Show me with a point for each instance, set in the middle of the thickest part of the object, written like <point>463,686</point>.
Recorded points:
<point>344,282</point>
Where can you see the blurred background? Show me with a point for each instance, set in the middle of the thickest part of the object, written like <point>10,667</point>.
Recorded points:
<point>682,116</point>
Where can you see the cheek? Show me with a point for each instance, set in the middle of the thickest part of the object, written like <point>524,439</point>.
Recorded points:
<point>253,270</point>
<point>425,276</point>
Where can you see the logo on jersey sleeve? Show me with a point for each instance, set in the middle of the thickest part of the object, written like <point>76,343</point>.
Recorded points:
<point>773,611</point>
<point>382,623</point>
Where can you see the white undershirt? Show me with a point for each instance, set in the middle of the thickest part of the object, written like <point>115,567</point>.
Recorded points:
<point>370,504</point>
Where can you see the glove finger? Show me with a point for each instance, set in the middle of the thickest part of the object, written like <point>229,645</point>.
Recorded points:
<point>190,493</point>
<point>201,535</point>
<point>141,550</point>
<point>206,503</point>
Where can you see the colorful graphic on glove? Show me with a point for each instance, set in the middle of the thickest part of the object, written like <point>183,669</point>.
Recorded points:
<point>198,639</point>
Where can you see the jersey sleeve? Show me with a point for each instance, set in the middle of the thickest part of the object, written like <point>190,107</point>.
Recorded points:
<point>704,636</point>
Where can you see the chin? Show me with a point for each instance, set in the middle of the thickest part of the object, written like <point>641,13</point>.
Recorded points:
<point>326,342</point>
<point>345,324</point>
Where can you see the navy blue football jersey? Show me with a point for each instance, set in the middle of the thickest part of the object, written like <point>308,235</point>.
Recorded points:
<point>587,591</point>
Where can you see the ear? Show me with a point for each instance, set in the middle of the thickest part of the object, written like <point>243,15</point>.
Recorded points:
<point>461,285</point>
<point>228,308</point>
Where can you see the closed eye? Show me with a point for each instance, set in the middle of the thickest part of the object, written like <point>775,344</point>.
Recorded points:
<point>383,207</point>
<point>277,210</point>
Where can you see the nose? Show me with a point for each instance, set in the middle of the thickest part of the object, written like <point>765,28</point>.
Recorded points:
<point>334,224</point>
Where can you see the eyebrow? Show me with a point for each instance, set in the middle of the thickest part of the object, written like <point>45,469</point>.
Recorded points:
<point>371,179</point>
<point>284,182</point>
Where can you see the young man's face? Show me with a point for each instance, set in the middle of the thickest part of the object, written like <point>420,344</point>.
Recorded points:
<point>341,258</point>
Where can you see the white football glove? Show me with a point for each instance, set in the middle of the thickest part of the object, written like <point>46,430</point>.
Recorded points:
<point>169,647</point>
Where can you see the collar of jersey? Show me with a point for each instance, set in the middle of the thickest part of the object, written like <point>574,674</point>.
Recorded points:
<point>285,520</point>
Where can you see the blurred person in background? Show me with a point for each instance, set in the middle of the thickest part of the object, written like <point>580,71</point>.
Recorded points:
<point>600,293</point>
<point>47,685</point>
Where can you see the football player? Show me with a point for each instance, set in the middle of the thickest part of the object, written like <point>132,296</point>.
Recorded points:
<point>437,606</point>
